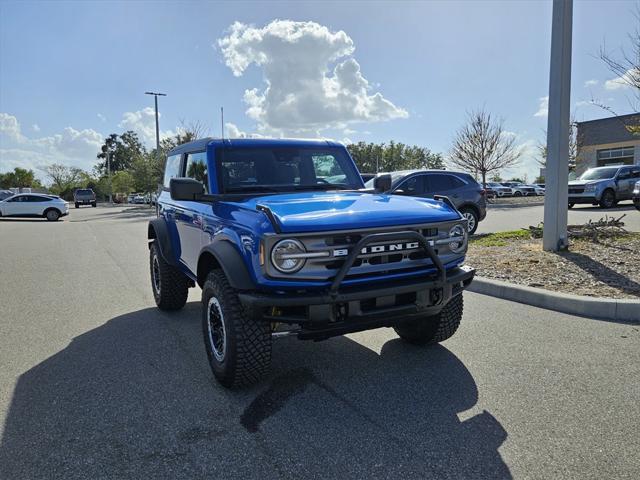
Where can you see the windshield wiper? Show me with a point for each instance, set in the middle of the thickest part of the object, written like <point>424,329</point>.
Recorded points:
<point>321,186</point>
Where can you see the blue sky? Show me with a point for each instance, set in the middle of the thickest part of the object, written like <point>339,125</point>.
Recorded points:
<point>73,72</point>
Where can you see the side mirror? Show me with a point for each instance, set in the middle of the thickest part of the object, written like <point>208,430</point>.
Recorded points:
<point>186,189</point>
<point>382,183</point>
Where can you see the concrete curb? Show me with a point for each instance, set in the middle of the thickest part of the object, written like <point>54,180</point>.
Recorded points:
<point>602,308</point>
<point>515,205</point>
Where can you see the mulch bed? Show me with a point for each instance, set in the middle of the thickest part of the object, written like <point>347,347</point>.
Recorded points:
<point>601,267</point>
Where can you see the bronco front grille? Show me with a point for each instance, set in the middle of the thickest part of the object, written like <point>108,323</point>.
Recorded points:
<point>377,259</point>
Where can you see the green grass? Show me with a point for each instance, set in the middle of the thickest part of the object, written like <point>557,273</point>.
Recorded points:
<point>500,239</point>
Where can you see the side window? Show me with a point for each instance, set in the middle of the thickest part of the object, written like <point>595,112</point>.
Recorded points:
<point>440,183</point>
<point>411,186</point>
<point>171,169</point>
<point>635,173</point>
<point>17,199</point>
<point>456,182</point>
<point>197,168</point>
<point>33,199</point>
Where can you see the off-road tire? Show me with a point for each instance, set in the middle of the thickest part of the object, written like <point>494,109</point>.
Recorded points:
<point>172,287</point>
<point>77,206</point>
<point>473,223</point>
<point>435,328</point>
<point>247,341</point>
<point>608,199</point>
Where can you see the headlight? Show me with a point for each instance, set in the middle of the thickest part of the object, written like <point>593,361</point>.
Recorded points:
<point>590,187</point>
<point>288,256</point>
<point>458,235</point>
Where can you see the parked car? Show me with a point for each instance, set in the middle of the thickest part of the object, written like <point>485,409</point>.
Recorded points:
<point>498,189</point>
<point>50,207</point>
<point>467,195</point>
<point>636,195</point>
<point>604,186</point>
<point>537,190</point>
<point>84,196</point>
<point>520,189</point>
<point>280,251</point>
<point>6,194</point>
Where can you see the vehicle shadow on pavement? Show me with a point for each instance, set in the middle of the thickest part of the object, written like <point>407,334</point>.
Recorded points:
<point>134,398</point>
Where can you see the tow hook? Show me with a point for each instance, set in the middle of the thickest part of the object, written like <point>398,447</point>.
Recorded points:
<point>436,295</point>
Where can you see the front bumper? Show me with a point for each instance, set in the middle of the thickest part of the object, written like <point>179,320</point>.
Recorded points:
<point>328,313</point>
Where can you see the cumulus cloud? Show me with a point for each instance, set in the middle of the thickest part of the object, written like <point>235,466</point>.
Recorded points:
<point>233,131</point>
<point>543,107</point>
<point>143,122</point>
<point>35,127</point>
<point>70,147</point>
<point>303,93</point>
<point>590,83</point>
<point>630,77</point>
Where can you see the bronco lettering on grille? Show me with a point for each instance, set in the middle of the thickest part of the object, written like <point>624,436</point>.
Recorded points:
<point>388,248</point>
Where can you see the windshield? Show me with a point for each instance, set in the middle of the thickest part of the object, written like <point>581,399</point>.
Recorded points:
<point>286,169</point>
<point>599,173</point>
<point>84,192</point>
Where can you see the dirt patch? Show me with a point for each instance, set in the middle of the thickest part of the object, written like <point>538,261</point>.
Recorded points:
<point>608,267</point>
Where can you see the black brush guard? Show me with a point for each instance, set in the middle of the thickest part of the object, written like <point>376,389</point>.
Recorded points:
<point>339,310</point>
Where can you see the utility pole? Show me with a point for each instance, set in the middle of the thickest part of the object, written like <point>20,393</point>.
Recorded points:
<point>557,174</point>
<point>222,123</point>
<point>109,174</point>
<point>156,95</point>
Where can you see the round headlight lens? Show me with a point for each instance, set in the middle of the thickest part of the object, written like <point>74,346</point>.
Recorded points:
<point>460,234</point>
<point>283,256</point>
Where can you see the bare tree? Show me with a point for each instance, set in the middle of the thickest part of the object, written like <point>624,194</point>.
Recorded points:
<point>190,131</point>
<point>626,68</point>
<point>482,146</point>
<point>573,145</point>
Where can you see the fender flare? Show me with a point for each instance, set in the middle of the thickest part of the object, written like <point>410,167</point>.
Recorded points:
<point>223,254</point>
<point>157,230</point>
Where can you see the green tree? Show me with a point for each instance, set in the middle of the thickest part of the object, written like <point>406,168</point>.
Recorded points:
<point>20,177</point>
<point>122,182</point>
<point>373,158</point>
<point>122,150</point>
<point>146,174</point>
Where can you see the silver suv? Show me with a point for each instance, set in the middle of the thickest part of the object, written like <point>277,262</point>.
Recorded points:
<point>604,186</point>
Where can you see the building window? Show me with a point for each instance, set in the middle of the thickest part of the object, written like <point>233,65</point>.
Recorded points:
<point>615,156</point>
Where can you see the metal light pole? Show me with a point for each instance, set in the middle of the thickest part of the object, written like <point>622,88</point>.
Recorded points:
<point>557,174</point>
<point>156,95</point>
<point>109,175</point>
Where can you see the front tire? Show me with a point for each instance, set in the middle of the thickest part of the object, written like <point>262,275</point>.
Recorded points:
<point>472,219</point>
<point>434,328</point>
<point>93,204</point>
<point>77,206</point>
<point>517,194</point>
<point>238,346</point>
<point>169,285</point>
<point>608,199</point>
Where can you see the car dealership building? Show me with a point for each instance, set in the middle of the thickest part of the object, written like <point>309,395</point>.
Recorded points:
<point>608,141</point>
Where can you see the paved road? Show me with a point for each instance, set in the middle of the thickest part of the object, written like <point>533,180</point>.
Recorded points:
<point>97,383</point>
<point>502,219</point>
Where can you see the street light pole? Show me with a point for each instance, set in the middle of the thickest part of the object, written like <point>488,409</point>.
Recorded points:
<point>557,174</point>
<point>156,95</point>
<point>109,175</point>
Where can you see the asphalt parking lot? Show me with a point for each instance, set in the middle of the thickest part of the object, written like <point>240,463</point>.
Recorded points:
<point>95,382</point>
<point>503,219</point>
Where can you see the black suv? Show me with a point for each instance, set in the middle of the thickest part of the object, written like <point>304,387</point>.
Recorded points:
<point>461,188</point>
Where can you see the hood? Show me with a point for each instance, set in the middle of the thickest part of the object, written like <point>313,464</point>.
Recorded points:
<point>582,183</point>
<point>323,211</point>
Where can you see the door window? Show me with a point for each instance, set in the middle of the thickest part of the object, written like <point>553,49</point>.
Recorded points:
<point>440,183</point>
<point>412,186</point>
<point>171,169</point>
<point>196,168</point>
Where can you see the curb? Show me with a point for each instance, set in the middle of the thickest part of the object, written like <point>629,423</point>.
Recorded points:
<point>514,205</point>
<point>625,310</point>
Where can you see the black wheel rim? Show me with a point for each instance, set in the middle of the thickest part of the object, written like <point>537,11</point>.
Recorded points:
<point>608,199</point>
<point>155,275</point>
<point>216,329</point>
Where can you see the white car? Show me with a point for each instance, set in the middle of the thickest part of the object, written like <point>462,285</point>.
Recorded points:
<point>34,205</point>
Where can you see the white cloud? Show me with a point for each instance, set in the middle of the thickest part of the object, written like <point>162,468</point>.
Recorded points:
<point>233,131</point>
<point>143,122</point>
<point>101,117</point>
<point>70,147</point>
<point>303,95</point>
<point>630,76</point>
<point>10,127</point>
<point>35,127</point>
<point>590,83</point>
<point>543,108</point>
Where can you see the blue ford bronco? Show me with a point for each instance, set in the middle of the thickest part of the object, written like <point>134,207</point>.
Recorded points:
<point>283,239</point>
